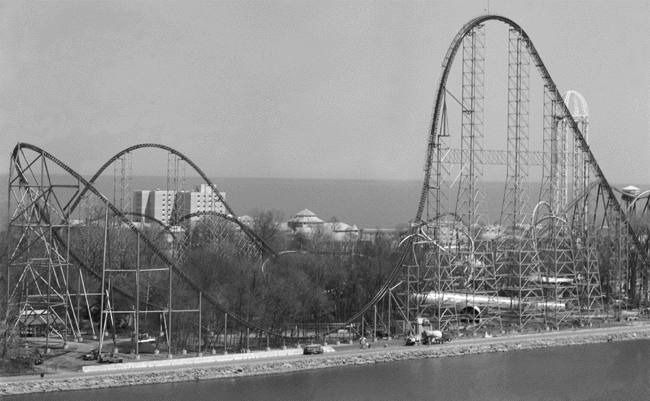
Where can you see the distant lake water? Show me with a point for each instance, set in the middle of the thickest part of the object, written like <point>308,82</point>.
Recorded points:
<point>608,371</point>
<point>365,203</point>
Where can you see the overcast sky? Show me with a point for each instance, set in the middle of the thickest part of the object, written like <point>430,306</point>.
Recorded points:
<point>304,89</point>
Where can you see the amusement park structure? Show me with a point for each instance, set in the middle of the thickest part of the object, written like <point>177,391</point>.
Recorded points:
<point>538,261</point>
<point>543,265</point>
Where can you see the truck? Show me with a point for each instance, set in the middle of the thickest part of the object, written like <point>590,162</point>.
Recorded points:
<point>434,337</point>
<point>424,335</point>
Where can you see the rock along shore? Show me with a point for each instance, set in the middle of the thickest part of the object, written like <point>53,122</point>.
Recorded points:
<point>500,344</point>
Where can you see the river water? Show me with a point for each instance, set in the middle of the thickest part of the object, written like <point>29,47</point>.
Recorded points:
<point>610,371</point>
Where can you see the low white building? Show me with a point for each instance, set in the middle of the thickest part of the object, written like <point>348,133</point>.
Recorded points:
<point>305,222</point>
<point>308,224</point>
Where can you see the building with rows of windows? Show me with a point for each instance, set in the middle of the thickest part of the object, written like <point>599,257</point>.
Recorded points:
<point>165,205</point>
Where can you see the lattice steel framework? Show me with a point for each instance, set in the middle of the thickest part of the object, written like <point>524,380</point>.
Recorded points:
<point>531,268</point>
<point>122,182</point>
<point>471,204</point>
<point>38,274</point>
<point>449,257</point>
<point>578,157</point>
<point>637,209</point>
<point>44,265</point>
<point>430,248</point>
<point>533,258</point>
<point>175,186</point>
<point>221,233</point>
<point>432,254</point>
<point>517,263</point>
<point>552,154</point>
<point>516,206</point>
<point>477,276</point>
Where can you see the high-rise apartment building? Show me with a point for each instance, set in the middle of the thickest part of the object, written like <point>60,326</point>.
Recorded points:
<point>163,205</point>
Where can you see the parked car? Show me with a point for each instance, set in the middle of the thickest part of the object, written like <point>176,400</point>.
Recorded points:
<point>91,356</point>
<point>313,349</point>
<point>145,338</point>
<point>110,358</point>
<point>412,340</point>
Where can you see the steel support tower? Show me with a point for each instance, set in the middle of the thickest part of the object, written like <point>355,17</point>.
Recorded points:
<point>39,276</point>
<point>517,263</point>
<point>477,274</point>
<point>539,264</point>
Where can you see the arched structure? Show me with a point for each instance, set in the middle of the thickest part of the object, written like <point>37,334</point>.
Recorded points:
<point>230,215</point>
<point>515,266</point>
<point>44,192</point>
<point>521,273</point>
<point>461,268</point>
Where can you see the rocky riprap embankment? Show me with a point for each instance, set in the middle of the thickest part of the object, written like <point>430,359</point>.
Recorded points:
<point>330,360</point>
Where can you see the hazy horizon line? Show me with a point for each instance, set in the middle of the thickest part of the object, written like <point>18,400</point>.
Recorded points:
<point>310,178</point>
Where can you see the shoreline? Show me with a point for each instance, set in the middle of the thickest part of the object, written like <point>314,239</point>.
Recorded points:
<point>351,357</point>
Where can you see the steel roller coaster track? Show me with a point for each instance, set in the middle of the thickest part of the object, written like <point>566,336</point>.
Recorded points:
<point>431,147</point>
<point>549,83</point>
<point>231,214</point>
<point>89,187</point>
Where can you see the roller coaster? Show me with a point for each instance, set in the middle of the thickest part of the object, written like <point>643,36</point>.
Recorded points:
<point>568,253</point>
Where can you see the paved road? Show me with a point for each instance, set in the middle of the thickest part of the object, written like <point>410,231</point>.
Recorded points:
<point>341,350</point>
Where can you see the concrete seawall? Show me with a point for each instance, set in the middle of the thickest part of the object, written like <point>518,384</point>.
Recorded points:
<point>187,373</point>
<point>188,362</point>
